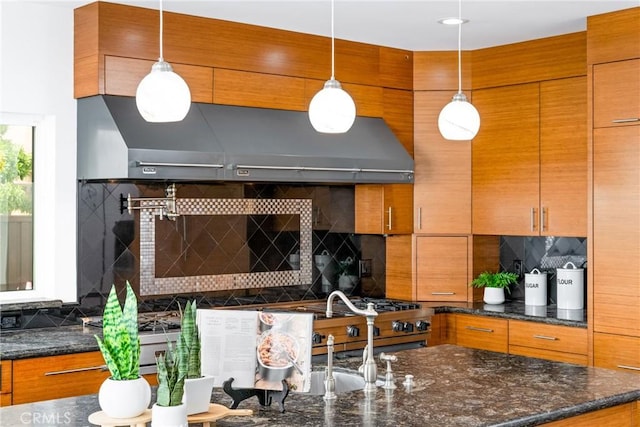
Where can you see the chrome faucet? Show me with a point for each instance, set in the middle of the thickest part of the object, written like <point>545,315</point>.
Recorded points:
<point>329,382</point>
<point>370,373</point>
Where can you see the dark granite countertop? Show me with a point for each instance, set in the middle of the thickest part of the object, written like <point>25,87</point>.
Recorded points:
<point>24,343</point>
<point>454,386</point>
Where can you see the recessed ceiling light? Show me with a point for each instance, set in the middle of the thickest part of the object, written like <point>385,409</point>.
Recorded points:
<point>452,21</point>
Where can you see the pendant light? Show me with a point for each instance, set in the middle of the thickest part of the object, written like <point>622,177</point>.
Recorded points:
<point>332,110</point>
<point>459,120</point>
<point>163,96</point>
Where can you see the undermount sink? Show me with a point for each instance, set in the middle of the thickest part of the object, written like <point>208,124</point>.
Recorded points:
<point>345,381</point>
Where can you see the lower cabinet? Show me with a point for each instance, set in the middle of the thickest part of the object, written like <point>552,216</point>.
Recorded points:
<point>5,383</point>
<point>482,332</point>
<point>616,352</point>
<point>625,415</point>
<point>552,342</point>
<point>53,377</point>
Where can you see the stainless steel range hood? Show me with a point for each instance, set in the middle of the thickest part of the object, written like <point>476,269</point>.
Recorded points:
<point>227,143</point>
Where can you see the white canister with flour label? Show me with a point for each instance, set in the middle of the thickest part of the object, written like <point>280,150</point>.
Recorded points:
<point>535,288</point>
<point>570,286</point>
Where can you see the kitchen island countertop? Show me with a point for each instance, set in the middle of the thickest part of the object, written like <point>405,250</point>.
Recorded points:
<point>453,386</point>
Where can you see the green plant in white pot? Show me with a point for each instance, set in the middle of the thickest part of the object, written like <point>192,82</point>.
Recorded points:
<point>197,387</point>
<point>494,285</point>
<point>125,394</point>
<point>169,409</point>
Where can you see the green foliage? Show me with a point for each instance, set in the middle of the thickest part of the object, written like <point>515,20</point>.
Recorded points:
<point>120,344</point>
<point>190,340</point>
<point>15,164</point>
<point>172,370</point>
<point>495,280</point>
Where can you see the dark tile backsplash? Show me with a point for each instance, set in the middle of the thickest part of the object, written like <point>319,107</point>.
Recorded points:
<point>544,253</point>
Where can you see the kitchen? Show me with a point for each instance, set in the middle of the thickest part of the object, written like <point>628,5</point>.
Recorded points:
<point>403,288</point>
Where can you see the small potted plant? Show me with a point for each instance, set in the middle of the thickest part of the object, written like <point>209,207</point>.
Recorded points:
<point>197,387</point>
<point>125,394</point>
<point>169,409</point>
<point>494,285</point>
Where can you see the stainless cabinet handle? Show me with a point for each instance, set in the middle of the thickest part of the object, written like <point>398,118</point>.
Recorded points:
<point>633,368</point>
<point>629,120</point>
<point>533,219</point>
<point>545,337</point>
<point>543,218</point>
<point>419,218</point>
<point>389,223</point>
<point>443,293</point>
<point>474,328</point>
<point>72,371</point>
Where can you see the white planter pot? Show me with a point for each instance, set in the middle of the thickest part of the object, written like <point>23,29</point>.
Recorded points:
<point>169,416</point>
<point>494,295</point>
<point>197,394</point>
<point>124,398</point>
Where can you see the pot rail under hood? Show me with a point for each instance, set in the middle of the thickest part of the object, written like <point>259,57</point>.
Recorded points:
<point>228,143</point>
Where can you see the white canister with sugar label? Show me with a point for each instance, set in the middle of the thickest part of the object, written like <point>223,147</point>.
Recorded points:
<point>570,287</point>
<point>535,288</point>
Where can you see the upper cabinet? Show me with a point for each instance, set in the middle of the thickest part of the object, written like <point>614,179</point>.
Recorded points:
<point>616,94</point>
<point>442,186</point>
<point>383,209</point>
<point>530,159</point>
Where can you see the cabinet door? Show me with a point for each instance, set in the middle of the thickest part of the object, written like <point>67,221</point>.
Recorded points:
<point>5,382</point>
<point>616,94</point>
<point>441,268</point>
<point>442,181</point>
<point>563,157</point>
<point>616,230</point>
<point>616,352</point>
<point>399,280</point>
<point>398,209</point>
<point>482,332</point>
<point>384,209</point>
<point>506,172</point>
<point>44,378</point>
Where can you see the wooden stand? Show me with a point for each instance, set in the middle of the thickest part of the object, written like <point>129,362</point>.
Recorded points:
<point>215,413</point>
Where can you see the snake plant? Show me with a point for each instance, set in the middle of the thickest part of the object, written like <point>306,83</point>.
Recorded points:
<point>172,370</point>
<point>190,340</point>
<point>120,344</point>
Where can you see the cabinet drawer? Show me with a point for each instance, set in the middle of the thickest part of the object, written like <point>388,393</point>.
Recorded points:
<point>482,332</point>
<point>616,352</point>
<point>53,377</point>
<point>552,342</point>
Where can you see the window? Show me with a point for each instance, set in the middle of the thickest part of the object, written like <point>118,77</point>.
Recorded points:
<point>16,207</point>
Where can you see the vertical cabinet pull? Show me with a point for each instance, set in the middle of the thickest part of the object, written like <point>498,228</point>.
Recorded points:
<point>543,219</point>
<point>419,218</point>
<point>389,223</point>
<point>533,219</point>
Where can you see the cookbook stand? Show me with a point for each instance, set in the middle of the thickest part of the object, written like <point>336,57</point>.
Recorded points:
<point>265,397</point>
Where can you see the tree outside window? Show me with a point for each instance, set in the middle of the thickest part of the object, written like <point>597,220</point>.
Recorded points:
<point>16,207</point>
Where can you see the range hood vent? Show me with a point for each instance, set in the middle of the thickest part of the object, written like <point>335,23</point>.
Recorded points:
<point>227,143</point>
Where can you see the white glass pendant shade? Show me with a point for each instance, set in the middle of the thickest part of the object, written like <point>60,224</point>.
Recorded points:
<point>459,120</point>
<point>163,96</point>
<point>332,110</point>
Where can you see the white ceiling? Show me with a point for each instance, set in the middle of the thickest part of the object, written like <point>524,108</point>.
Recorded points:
<point>404,24</point>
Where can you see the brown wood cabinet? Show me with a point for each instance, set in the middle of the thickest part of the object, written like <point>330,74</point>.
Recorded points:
<point>399,262</point>
<point>5,382</point>
<point>384,209</point>
<point>482,332</point>
<point>616,352</point>
<point>553,342</point>
<point>442,182</point>
<point>442,268</point>
<point>625,415</point>
<point>616,94</point>
<point>53,377</point>
<point>616,230</point>
<point>530,160</point>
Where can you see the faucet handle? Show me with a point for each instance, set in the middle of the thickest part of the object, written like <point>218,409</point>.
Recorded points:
<point>388,377</point>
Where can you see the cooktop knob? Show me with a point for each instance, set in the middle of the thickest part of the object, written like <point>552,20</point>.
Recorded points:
<point>422,325</point>
<point>353,331</point>
<point>316,338</point>
<point>376,331</point>
<point>407,327</point>
<point>397,326</point>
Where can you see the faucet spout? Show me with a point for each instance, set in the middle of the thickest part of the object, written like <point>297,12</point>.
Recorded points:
<point>370,373</point>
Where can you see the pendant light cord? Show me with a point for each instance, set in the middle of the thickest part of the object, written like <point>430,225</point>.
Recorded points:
<point>460,46</point>
<point>161,31</point>
<point>333,44</point>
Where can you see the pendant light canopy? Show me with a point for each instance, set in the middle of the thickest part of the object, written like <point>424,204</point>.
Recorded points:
<point>163,96</point>
<point>332,110</point>
<point>459,120</point>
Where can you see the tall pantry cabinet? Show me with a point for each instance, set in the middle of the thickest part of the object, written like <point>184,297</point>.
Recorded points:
<point>614,68</point>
